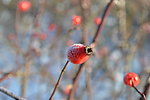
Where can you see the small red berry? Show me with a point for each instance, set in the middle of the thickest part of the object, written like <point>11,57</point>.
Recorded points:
<point>97,20</point>
<point>131,79</point>
<point>24,6</point>
<point>78,53</point>
<point>42,36</point>
<point>68,89</point>
<point>69,43</point>
<point>76,20</point>
<point>52,27</point>
<point>11,36</point>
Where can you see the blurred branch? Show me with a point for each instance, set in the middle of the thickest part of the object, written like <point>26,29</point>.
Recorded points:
<point>99,29</point>
<point>146,87</point>
<point>25,76</point>
<point>88,82</point>
<point>85,12</point>
<point>75,81</point>
<point>8,74</point>
<point>142,95</point>
<point>10,94</point>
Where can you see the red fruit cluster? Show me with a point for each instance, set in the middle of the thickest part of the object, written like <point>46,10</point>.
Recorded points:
<point>76,20</point>
<point>24,6</point>
<point>78,53</point>
<point>131,79</point>
<point>97,20</point>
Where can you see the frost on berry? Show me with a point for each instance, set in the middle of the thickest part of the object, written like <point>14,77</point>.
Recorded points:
<point>78,53</point>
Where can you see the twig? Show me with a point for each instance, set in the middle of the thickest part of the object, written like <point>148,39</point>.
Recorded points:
<point>142,95</point>
<point>99,29</point>
<point>12,95</point>
<point>8,74</point>
<point>58,81</point>
<point>100,26</point>
<point>146,87</point>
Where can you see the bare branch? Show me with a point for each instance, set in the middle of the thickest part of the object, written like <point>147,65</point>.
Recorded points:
<point>58,81</point>
<point>12,95</point>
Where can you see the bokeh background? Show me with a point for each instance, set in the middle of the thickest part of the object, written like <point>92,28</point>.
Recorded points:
<point>33,48</point>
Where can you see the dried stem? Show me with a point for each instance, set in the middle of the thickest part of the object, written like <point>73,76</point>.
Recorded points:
<point>12,95</point>
<point>99,29</point>
<point>58,81</point>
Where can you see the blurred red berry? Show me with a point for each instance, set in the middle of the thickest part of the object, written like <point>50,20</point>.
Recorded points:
<point>131,79</point>
<point>97,20</point>
<point>76,20</point>
<point>35,35</point>
<point>103,51</point>
<point>52,27</point>
<point>24,6</point>
<point>69,42</point>
<point>78,53</point>
<point>42,36</point>
<point>146,27</point>
<point>68,89</point>
<point>11,36</point>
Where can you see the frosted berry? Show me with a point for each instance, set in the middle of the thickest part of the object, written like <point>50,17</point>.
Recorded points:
<point>24,6</point>
<point>76,20</point>
<point>97,20</point>
<point>78,53</point>
<point>131,79</point>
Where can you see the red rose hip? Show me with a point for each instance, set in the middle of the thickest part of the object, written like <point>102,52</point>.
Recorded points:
<point>78,53</point>
<point>97,20</point>
<point>24,6</point>
<point>131,79</point>
<point>76,20</point>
